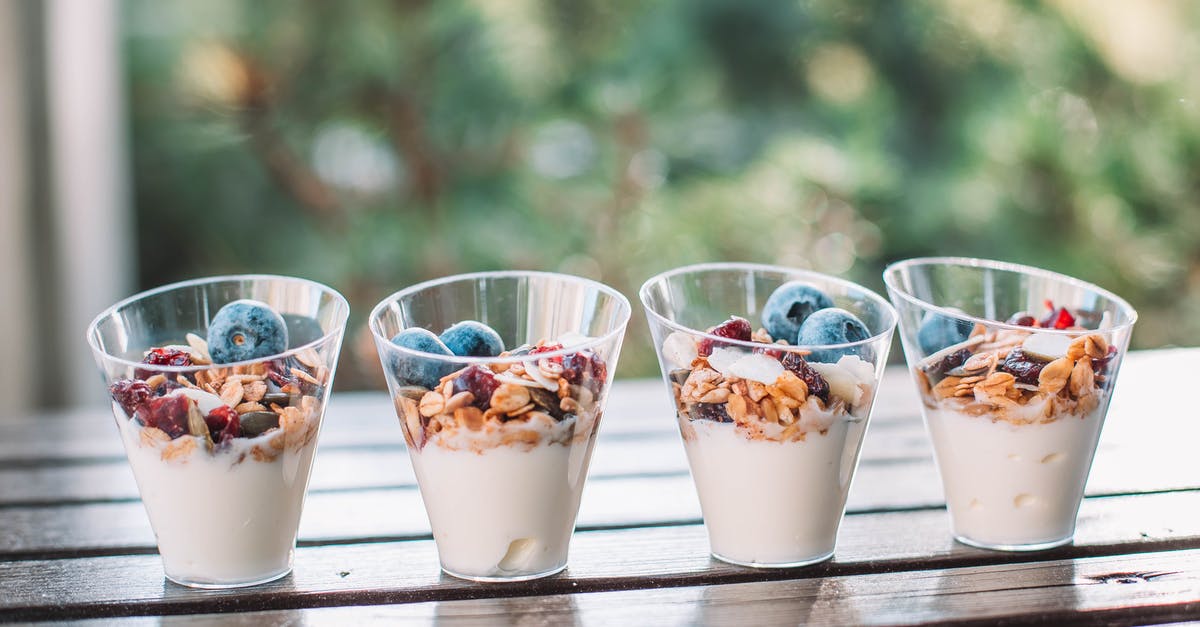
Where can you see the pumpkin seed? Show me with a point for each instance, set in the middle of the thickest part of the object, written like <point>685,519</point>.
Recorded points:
<point>256,423</point>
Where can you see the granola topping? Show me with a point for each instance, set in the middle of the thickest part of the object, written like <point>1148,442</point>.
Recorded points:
<point>1020,376</point>
<point>769,393</point>
<point>522,404</point>
<point>254,411</point>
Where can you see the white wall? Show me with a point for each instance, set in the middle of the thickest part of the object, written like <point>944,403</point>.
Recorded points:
<point>91,221</point>
<point>16,296</point>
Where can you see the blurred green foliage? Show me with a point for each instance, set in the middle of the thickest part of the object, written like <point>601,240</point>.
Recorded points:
<point>372,144</point>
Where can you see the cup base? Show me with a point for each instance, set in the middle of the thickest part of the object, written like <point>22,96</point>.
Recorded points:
<point>503,579</point>
<point>808,562</point>
<point>1036,546</point>
<point>212,585</point>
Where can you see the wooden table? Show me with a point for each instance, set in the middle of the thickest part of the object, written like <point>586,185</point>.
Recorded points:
<point>75,542</point>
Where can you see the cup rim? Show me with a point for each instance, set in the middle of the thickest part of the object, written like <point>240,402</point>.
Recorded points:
<point>93,327</point>
<point>891,273</point>
<point>617,329</point>
<point>800,273</point>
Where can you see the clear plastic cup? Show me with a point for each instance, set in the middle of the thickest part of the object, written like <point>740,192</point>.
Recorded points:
<point>1014,410</point>
<point>221,453</point>
<point>772,432</point>
<point>501,445</point>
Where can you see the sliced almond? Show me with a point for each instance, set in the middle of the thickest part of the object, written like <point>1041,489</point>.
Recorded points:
<point>717,395</point>
<point>232,392</point>
<point>254,391</point>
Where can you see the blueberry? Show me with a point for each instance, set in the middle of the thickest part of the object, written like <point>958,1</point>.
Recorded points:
<point>833,326</point>
<point>939,331</point>
<point>246,329</point>
<point>789,305</point>
<point>422,371</point>
<point>302,329</point>
<point>472,339</point>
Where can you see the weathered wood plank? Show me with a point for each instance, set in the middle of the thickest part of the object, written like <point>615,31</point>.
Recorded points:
<point>1151,588</point>
<point>392,572</point>
<point>615,500</point>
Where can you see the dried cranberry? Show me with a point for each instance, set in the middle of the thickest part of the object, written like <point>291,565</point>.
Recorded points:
<point>950,362</point>
<point>1057,318</point>
<point>167,357</point>
<point>1022,319</point>
<point>710,411</point>
<point>168,413</point>
<point>221,419</point>
<point>817,385</point>
<point>279,371</point>
<point>734,328</point>
<point>1022,366</point>
<point>129,393</point>
<point>163,357</point>
<point>478,381</point>
<point>548,348</point>
<point>585,368</point>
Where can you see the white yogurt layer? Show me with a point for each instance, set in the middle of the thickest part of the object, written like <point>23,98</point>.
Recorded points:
<point>221,518</point>
<point>773,503</point>
<point>506,510</point>
<point>1009,485</point>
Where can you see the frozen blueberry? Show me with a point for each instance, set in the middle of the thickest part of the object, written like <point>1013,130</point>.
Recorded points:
<point>472,339</point>
<point>833,326</point>
<point>246,329</point>
<point>413,370</point>
<point>302,329</point>
<point>789,305</point>
<point>939,331</point>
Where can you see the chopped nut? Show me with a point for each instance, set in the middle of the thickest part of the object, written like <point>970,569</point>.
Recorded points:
<point>156,380</point>
<point>792,385</point>
<point>979,362</point>
<point>469,416</point>
<point>945,388</point>
<point>716,395</point>
<point>410,417</point>
<point>1054,376</point>
<point>1082,378</point>
<point>997,384</point>
<point>769,412</point>
<point>254,391</point>
<point>509,397</point>
<point>520,410</point>
<point>736,406</point>
<point>432,404</point>
<point>249,406</point>
<point>756,390</point>
<point>570,406</point>
<point>786,417</point>
<point>458,401</point>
